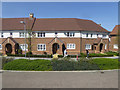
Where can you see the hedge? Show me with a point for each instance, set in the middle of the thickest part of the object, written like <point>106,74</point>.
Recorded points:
<point>107,54</point>
<point>68,65</point>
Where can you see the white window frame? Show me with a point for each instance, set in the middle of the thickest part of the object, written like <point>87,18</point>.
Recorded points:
<point>40,34</point>
<point>87,46</point>
<point>21,34</point>
<point>22,46</point>
<point>70,34</point>
<point>87,35</point>
<point>42,48</point>
<point>105,46</point>
<point>91,35</point>
<point>2,35</point>
<point>0,46</point>
<point>104,36</point>
<point>71,46</point>
<point>115,46</point>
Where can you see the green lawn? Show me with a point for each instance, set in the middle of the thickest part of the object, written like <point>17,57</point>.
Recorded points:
<point>61,65</point>
<point>32,65</point>
<point>106,63</point>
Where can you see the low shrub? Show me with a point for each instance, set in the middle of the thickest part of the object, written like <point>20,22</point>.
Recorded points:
<point>29,53</point>
<point>6,60</point>
<point>24,64</point>
<point>110,53</point>
<point>70,65</point>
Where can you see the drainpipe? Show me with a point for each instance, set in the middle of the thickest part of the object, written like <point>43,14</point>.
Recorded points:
<point>108,42</point>
<point>80,42</point>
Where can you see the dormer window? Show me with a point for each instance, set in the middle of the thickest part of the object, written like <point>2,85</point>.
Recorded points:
<point>104,35</point>
<point>2,34</point>
<point>97,35</point>
<point>22,34</point>
<point>87,35</point>
<point>11,33</point>
<point>91,35</point>
<point>55,33</point>
<point>70,34</point>
<point>41,34</point>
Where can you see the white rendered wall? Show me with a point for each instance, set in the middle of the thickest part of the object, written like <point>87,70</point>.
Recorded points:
<point>15,35</point>
<point>60,34</point>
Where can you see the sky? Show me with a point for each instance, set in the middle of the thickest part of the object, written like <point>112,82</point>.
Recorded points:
<point>104,13</point>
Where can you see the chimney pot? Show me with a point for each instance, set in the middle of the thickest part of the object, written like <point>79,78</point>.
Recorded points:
<point>31,15</point>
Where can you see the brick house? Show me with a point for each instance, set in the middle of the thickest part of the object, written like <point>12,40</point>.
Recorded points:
<point>53,35</point>
<point>114,39</point>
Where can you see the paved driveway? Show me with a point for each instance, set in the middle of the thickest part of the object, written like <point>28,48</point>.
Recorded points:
<point>95,79</point>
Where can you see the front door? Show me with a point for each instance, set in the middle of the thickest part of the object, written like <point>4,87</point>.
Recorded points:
<point>8,48</point>
<point>101,47</point>
<point>55,48</point>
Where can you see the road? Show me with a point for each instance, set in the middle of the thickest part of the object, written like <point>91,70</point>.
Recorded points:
<point>88,79</point>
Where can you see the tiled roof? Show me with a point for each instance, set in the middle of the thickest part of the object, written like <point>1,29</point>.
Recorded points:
<point>115,30</point>
<point>52,24</point>
<point>14,23</point>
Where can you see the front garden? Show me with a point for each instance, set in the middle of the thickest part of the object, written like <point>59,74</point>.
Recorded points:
<point>107,54</point>
<point>64,64</point>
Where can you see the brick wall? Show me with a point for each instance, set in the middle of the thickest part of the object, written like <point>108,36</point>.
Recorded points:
<point>80,45</point>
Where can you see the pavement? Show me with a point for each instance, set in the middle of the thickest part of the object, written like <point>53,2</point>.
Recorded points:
<point>60,79</point>
<point>32,58</point>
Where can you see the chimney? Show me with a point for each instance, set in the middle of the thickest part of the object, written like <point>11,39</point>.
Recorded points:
<point>31,15</point>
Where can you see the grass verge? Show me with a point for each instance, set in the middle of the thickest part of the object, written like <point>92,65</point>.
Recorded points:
<point>63,64</point>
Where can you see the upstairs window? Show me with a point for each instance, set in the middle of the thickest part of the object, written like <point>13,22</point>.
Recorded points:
<point>70,46</point>
<point>2,34</point>
<point>87,46</point>
<point>0,46</point>
<point>91,35</point>
<point>22,34</point>
<point>11,33</point>
<point>70,34</point>
<point>41,34</point>
<point>41,47</point>
<point>104,35</point>
<point>97,35</point>
<point>87,35</point>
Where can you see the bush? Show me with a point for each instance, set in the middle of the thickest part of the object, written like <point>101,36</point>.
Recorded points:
<point>6,60</point>
<point>70,65</point>
<point>110,53</point>
<point>29,53</point>
<point>24,64</point>
<point>19,51</point>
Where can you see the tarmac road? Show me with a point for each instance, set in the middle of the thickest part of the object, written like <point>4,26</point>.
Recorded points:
<point>88,79</point>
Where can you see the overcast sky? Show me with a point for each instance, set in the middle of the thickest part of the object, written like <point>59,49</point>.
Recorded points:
<point>105,13</point>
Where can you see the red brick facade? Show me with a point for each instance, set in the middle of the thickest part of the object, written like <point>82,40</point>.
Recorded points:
<point>79,45</point>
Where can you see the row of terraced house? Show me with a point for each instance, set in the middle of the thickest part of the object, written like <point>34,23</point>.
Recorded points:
<point>54,35</point>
